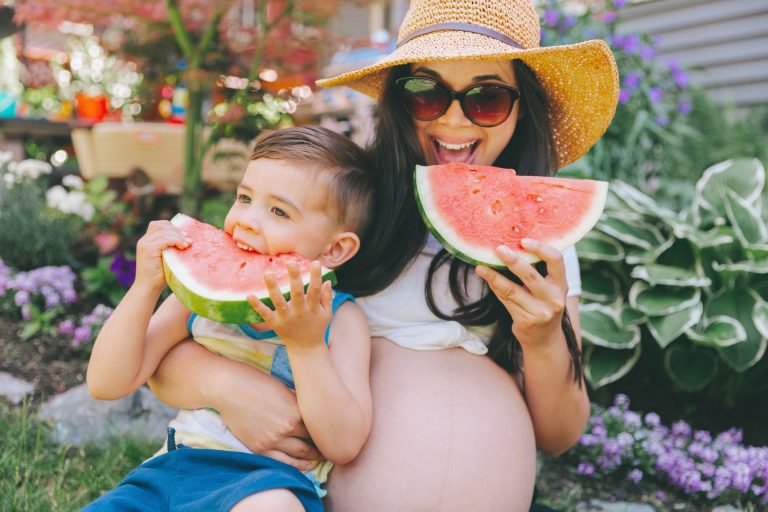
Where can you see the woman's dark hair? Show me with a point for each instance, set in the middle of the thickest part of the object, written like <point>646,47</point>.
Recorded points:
<point>398,234</point>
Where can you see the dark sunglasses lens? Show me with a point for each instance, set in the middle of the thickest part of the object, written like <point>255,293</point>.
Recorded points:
<point>488,105</point>
<point>425,99</point>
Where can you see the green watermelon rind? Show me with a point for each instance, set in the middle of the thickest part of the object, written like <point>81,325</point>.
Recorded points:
<point>233,310</point>
<point>480,256</point>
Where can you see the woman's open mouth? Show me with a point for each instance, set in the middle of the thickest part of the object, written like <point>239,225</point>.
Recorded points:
<point>446,152</point>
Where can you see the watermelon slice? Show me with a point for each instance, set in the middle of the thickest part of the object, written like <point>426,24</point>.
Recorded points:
<point>214,276</point>
<point>472,209</point>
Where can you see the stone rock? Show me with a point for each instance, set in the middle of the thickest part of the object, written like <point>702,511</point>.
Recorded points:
<point>619,506</point>
<point>14,389</point>
<point>79,419</point>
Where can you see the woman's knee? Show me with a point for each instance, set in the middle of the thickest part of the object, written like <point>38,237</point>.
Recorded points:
<point>268,501</point>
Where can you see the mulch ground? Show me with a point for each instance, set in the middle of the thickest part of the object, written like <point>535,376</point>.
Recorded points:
<point>47,362</point>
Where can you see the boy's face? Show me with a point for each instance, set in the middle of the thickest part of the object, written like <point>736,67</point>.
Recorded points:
<point>282,207</point>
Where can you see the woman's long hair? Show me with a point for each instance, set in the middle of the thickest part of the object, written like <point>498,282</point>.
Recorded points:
<point>398,234</point>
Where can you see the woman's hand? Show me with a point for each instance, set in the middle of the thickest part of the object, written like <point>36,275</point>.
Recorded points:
<point>160,235</point>
<point>536,306</point>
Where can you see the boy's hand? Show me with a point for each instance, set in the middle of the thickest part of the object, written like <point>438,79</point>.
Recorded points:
<point>300,322</point>
<point>160,235</point>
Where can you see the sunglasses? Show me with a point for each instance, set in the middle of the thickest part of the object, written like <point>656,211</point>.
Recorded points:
<point>486,105</point>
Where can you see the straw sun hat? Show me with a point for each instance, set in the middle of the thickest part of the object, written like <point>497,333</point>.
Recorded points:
<point>581,79</point>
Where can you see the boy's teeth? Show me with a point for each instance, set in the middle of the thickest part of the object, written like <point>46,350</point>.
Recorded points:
<point>244,247</point>
<point>454,147</point>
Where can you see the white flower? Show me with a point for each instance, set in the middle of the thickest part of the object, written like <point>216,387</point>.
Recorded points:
<point>56,196</point>
<point>8,180</point>
<point>33,168</point>
<point>87,211</point>
<point>73,182</point>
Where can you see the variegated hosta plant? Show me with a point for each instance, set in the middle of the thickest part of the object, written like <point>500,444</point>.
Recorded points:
<point>693,283</point>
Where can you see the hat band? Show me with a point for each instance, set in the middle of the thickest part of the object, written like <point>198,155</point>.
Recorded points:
<point>464,27</point>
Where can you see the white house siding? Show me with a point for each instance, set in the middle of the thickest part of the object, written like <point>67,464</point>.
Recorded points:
<point>725,42</point>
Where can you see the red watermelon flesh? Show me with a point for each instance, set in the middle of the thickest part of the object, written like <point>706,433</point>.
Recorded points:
<point>473,209</point>
<point>214,276</point>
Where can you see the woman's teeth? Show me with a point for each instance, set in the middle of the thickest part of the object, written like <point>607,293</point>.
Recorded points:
<point>455,147</point>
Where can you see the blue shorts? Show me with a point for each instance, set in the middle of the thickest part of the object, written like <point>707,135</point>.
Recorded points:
<point>192,479</point>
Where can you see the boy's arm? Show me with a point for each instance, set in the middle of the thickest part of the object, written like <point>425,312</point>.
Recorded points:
<point>133,341</point>
<point>332,386</point>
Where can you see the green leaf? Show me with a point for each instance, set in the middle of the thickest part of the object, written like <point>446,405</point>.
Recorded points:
<point>632,232</point>
<point>719,331</point>
<point>603,365</point>
<point>690,367</point>
<point>739,303</point>
<point>666,329</point>
<point>745,219</point>
<point>596,246</point>
<point>757,251</point>
<point>649,256</point>
<point>669,275</point>
<point>760,317</point>
<point>640,202</point>
<point>662,300</point>
<point>600,286</point>
<point>600,326</point>
<point>702,239</point>
<point>30,330</point>
<point>745,177</point>
<point>631,316</point>
<point>747,266</point>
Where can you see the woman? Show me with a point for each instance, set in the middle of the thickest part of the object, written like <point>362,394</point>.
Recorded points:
<point>453,429</point>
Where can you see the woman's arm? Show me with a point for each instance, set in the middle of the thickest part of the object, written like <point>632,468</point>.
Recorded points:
<point>559,405</point>
<point>257,408</point>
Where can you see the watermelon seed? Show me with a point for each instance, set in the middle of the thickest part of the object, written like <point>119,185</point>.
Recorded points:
<point>541,210</point>
<point>475,191</point>
<point>496,206</point>
<point>242,265</point>
<point>516,229</point>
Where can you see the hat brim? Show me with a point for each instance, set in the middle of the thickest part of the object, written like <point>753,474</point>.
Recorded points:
<point>581,80</point>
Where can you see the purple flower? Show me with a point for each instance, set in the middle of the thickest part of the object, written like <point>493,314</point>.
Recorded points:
<point>551,17</point>
<point>21,298</point>
<point>662,121</point>
<point>619,3</point>
<point>681,78</point>
<point>81,335</point>
<point>632,80</point>
<point>681,429</point>
<point>646,52</point>
<point>567,23</point>
<point>124,269</point>
<point>624,96</point>
<point>607,17</point>
<point>635,476</point>
<point>652,419</point>
<point>655,94</point>
<point>585,468</point>
<point>66,327</point>
<point>684,107</point>
<point>621,401</point>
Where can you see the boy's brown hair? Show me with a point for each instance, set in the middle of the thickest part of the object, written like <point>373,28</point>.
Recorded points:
<point>351,183</point>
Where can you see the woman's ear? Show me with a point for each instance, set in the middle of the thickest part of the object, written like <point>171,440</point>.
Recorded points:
<point>341,249</point>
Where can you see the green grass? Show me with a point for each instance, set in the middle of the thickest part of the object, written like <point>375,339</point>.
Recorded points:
<point>36,474</point>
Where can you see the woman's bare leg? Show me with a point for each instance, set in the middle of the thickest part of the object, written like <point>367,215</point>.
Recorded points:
<point>451,432</point>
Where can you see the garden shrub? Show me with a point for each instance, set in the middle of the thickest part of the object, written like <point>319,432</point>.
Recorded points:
<point>690,286</point>
<point>665,130</point>
<point>32,234</point>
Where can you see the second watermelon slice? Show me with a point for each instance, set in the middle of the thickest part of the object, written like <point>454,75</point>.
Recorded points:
<point>473,209</point>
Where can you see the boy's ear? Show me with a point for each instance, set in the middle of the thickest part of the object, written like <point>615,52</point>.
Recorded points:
<point>343,246</point>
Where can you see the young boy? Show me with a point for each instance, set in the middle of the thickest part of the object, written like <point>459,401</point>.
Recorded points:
<point>306,191</point>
